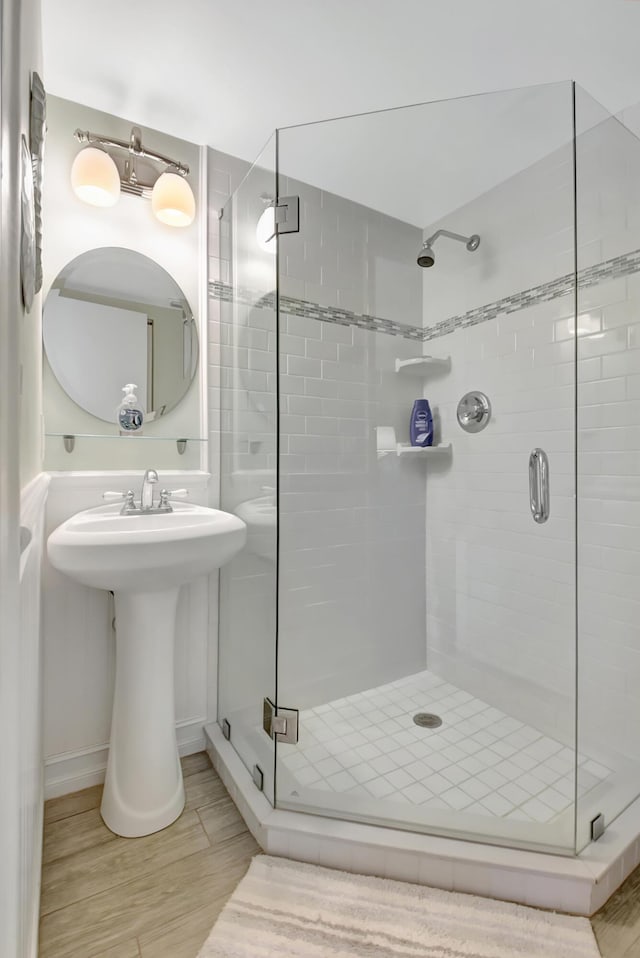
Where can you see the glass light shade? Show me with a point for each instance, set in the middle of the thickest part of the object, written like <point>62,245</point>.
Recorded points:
<point>172,200</point>
<point>265,231</point>
<point>95,178</point>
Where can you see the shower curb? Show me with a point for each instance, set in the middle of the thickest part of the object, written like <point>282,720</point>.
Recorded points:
<point>577,885</point>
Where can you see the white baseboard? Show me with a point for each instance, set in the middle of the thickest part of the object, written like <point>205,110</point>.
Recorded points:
<point>73,771</point>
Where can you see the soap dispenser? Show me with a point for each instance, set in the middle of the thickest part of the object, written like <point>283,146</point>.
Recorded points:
<point>130,414</point>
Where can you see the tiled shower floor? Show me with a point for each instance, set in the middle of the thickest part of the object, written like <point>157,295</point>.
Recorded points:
<point>480,761</point>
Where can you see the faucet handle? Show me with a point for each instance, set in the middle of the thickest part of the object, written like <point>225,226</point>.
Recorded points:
<point>129,500</point>
<point>167,494</point>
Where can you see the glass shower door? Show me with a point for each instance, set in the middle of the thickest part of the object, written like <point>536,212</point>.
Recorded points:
<point>427,596</point>
<point>248,438</point>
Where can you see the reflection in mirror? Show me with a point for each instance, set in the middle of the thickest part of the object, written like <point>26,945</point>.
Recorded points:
<point>112,317</point>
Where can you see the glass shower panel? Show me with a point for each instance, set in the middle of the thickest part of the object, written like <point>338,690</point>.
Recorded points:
<point>608,329</point>
<point>426,619</point>
<point>248,438</point>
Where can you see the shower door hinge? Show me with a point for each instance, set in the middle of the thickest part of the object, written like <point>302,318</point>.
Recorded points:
<point>287,214</point>
<point>597,827</point>
<point>258,777</point>
<point>280,724</point>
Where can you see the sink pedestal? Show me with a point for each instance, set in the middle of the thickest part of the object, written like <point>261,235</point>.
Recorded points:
<point>143,790</point>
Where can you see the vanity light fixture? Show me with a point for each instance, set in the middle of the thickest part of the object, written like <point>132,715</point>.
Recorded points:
<point>96,178</point>
<point>172,200</point>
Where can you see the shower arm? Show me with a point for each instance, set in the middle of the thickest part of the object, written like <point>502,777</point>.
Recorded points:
<point>449,234</point>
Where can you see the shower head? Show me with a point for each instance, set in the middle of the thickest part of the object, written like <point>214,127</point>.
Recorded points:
<point>426,256</point>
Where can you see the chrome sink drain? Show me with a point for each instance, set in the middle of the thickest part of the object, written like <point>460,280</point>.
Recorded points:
<point>427,720</point>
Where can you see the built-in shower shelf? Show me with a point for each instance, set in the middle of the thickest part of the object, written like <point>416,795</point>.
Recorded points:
<point>419,452</point>
<point>422,365</point>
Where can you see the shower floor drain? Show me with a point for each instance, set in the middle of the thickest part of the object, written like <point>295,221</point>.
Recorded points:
<point>427,720</point>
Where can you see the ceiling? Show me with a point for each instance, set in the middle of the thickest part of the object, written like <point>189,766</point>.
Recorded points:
<point>226,74</point>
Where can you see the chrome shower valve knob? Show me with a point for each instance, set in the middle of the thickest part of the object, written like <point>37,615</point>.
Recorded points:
<point>474,411</point>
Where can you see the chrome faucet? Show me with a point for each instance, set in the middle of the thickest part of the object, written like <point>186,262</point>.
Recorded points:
<point>147,505</point>
<point>146,493</point>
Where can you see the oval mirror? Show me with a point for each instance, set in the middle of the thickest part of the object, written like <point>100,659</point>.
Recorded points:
<point>112,317</point>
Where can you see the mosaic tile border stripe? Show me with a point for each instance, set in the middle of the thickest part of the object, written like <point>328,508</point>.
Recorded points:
<point>302,307</point>
<point>610,269</point>
<point>563,286</point>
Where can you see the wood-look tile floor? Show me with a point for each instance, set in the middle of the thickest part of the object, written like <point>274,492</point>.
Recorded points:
<point>153,897</point>
<point>617,924</point>
<point>158,897</point>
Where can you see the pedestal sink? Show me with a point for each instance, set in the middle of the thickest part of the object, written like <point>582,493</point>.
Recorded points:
<point>144,559</point>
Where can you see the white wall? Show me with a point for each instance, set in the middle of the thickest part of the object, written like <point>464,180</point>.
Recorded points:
<point>71,228</point>
<point>30,736</point>
<point>20,456</point>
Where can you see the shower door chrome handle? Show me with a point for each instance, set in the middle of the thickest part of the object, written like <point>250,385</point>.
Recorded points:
<point>539,485</point>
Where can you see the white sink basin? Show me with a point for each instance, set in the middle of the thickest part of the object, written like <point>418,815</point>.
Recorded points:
<point>144,560</point>
<point>260,516</point>
<point>144,553</point>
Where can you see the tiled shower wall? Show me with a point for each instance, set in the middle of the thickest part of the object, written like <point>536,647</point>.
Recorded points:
<point>351,525</point>
<point>501,589</point>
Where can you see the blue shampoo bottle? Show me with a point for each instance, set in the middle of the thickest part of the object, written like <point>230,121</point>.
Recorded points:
<point>421,425</point>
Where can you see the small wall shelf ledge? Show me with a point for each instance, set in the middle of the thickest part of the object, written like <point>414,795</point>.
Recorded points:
<point>70,440</point>
<point>404,449</point>
<point>423,364</point>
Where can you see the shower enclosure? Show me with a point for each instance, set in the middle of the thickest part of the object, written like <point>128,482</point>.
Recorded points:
<point>438,639</point>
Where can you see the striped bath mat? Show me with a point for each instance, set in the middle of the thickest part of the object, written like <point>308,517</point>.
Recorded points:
<point>286,909</point>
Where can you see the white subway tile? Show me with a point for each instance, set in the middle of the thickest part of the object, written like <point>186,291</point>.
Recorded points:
<point>601,344</point>
<point>334,333</point>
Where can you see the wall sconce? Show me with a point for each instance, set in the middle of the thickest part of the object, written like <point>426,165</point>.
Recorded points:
<point>96,178</point>
<point>266,226</point>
